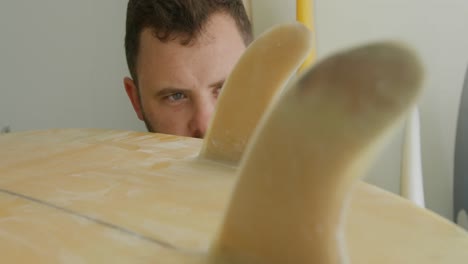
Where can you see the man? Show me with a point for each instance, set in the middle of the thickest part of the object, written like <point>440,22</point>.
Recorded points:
<point>179,53</point>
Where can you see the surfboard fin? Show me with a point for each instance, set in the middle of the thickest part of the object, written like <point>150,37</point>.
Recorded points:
<point>261,72</point>
<point>310,149</point>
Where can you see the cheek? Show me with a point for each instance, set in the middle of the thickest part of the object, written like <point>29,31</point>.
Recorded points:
<point>169,119</point>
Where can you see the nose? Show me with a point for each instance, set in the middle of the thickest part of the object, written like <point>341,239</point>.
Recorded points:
<point>203,110</point>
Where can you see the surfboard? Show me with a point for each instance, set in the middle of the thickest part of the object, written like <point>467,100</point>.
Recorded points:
<point>101,196</point>
<point>460,186</point>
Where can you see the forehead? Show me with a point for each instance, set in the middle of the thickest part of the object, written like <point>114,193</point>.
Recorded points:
<point>212,53</point>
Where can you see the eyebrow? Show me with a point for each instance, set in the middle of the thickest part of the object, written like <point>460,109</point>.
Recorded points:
<point>218,83</point>
<point>170,90</point>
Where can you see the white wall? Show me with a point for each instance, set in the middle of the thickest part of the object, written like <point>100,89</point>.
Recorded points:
<point>439,32</point>
<point>62,63</point>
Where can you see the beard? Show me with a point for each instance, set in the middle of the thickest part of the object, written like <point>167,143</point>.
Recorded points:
<point>148,125</point>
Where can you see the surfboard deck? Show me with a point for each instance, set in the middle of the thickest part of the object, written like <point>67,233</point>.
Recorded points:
<point>98,196</point>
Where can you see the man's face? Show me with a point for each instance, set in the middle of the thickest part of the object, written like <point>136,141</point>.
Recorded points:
<point>178,85</point>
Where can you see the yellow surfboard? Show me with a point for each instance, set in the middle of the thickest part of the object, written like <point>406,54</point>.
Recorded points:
<point>292,195</point>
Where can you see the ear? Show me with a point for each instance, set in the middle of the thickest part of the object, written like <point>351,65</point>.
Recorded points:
<point>132,92</point>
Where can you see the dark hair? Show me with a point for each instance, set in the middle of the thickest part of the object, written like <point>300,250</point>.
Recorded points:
<point>172,18</point>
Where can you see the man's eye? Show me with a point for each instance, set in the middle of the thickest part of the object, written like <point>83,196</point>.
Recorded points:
<point>176,96</point>
<point>217,91</point>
